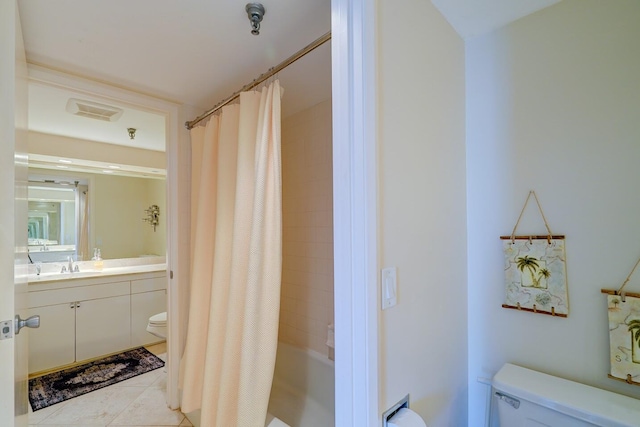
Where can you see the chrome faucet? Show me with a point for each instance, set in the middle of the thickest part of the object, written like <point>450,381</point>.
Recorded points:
<point>70,268</point>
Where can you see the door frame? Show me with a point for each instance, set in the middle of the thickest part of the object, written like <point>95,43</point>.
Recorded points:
<point>176,217</point>
<point>355,212</point>
<point>13,238</point>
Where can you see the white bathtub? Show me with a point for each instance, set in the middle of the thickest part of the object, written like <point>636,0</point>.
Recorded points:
<point>303,388</point>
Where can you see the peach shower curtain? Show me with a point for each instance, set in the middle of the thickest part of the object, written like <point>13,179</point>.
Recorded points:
<point>236,252</point>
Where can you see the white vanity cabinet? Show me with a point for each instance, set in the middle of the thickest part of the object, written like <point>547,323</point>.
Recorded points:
<point>102,327</point>
<point>85,318</point>
<point>148,297</point>
<point>54,342</point>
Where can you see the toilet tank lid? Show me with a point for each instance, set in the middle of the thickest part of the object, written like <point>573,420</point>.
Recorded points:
<point>581,401</point>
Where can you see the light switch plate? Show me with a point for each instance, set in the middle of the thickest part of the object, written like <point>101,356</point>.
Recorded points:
<point>389,287</point>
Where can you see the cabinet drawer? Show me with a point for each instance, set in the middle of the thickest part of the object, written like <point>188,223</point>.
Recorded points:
<point>81,293</point>
<point>147,285</point>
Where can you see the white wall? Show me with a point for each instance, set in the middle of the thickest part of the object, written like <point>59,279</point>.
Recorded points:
<point>422,211</point>
<point>552,105</point>
<point>72,148</point>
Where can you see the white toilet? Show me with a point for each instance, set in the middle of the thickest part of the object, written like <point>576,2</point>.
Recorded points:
<point>526,398</point>
<point>158,325</point>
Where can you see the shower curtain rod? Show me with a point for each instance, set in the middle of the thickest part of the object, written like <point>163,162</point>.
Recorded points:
<point>262,77</point>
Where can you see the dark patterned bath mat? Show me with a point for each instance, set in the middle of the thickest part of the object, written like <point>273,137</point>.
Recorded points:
<point>63,385</point>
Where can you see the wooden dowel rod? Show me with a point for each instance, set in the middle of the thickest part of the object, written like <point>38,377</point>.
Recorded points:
<point>626,380</point>
<point>536,237</point>
<point>554,314</point>
<point>612,292</point>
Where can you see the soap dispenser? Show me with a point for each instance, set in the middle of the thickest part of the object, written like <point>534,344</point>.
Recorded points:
<point>97,259</point>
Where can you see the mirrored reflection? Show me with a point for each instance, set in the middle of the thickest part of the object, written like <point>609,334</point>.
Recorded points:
<point>52,225</point>
<point>78,213</point>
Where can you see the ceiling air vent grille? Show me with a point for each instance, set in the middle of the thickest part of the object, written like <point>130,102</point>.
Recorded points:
<point>93,110</point>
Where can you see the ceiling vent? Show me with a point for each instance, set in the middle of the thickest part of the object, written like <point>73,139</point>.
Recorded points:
<point>93,110</point>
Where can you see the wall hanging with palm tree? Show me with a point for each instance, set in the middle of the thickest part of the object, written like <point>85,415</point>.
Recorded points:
<point>624,332</point>
<point>535,270</point>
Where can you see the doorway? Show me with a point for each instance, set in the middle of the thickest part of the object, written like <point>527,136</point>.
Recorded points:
<point>354,128</point>
<point>147,174</point>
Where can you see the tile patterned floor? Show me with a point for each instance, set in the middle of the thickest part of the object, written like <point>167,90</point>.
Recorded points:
<point>138,401</point>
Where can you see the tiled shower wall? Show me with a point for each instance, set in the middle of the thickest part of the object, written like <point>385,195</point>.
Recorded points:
<point>307,203</point>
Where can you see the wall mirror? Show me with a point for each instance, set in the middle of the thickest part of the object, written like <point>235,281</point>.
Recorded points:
<point>72,213</point>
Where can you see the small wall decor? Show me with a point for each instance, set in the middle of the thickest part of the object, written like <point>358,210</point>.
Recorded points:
<point>153,216</point>
<point>535,270</point>
<point>624,333</point>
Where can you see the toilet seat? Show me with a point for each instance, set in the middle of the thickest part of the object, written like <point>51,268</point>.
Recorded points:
<point>158,325</point>
<point>159,319</point>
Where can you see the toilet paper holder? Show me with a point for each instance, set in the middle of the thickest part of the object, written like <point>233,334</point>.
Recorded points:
<point>386,416</point>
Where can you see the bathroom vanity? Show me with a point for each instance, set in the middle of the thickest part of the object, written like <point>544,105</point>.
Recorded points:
<point>87,315</point>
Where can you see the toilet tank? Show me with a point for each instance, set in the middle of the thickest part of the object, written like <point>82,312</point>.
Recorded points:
<point>527,398</point>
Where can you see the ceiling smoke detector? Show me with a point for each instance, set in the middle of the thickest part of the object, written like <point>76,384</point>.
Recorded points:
<point>93,110</point>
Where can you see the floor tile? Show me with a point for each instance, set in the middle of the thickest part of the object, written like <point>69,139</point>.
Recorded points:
<point>37,416</point>
<point>160,382</point>
<point>99,407</point>
<point>150,408</point>
<point>144,380</point>
<point>158,348</point>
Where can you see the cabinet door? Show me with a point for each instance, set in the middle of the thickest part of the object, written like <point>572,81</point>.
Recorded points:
<point>143,306</point>
<point>102,327</point>
<point>53,343</point>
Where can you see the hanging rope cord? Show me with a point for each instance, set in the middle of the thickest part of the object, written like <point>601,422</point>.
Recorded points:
<point>546,224</point>
<point>628,277</point>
